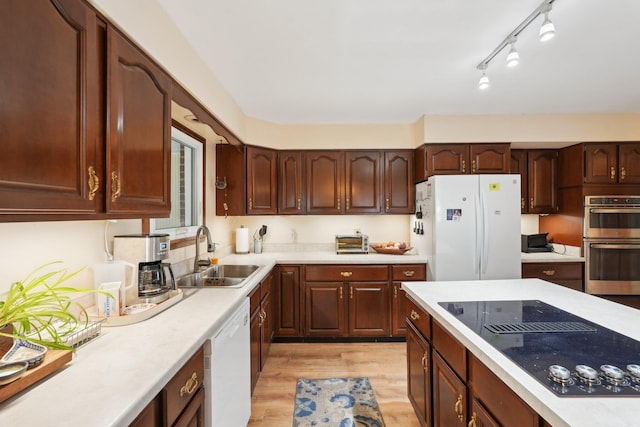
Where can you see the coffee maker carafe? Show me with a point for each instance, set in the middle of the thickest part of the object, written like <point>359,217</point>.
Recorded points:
<point>146,252</point>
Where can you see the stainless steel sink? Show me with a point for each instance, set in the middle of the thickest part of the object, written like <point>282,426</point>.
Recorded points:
<point>230,276</point>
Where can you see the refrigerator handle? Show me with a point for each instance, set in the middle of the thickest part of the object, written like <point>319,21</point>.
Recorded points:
<point>485,234</point>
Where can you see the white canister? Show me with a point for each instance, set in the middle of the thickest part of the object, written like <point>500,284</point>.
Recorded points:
<point>115,271</point>
<point>242,240</point>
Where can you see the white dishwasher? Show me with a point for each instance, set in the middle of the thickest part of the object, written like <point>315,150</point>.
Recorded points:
<point>228,373</point>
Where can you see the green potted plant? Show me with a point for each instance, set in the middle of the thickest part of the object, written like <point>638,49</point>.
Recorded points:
<point>33,306</point>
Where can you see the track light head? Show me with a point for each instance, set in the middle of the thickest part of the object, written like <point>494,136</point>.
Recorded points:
<point>547,30</point>
<point>483,83</point>
<point>513,58</point>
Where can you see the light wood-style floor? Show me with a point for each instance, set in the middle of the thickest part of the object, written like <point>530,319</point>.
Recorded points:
<point>384,363</point>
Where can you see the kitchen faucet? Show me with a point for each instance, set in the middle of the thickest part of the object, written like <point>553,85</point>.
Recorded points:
<point>211,247</point>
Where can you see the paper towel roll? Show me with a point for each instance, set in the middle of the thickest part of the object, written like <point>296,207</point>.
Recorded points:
<point>242,240</point>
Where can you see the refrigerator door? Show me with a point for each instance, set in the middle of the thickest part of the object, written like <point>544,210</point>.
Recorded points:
<point>500,227</point>
<point>454,249</point>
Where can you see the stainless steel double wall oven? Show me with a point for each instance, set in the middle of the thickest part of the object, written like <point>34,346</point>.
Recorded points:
<point>612,245</point>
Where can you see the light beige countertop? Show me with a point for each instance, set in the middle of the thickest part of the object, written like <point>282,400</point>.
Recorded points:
<point>561,253</point>
<point>567,411</point>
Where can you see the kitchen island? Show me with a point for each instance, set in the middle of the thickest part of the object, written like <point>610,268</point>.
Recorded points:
<point>558,411</point>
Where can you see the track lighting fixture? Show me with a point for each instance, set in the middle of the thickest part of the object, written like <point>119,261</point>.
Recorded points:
<point>547,31</point>
<point>513,58</point>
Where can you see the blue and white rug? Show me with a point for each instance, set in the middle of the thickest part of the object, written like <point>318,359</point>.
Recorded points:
<point>336,402</point>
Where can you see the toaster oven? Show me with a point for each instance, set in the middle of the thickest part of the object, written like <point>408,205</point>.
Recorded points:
<point>352,244</point>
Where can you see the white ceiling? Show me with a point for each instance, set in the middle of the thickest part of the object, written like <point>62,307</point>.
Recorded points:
<point>391,61</point>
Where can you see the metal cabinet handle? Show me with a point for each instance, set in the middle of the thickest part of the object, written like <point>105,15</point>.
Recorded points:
<point>414,315</point>
<point>115,186</point>
<point>612,173</point>
<point>472,421</point>
<point>623,173</point>
<point>548,272</point>
<point>386,204</point>
<point>94,183</point>
<point>250,202</point>
<point>408,273</point>
<point>190,386</point>
<point>346,273</point>
<point>473,166</point>
<point>338,202</point>
<point>299,205</point>
<point>522,203</point>
<point>464,166</point>
<point>425,362</point>
<point>351,292</point>
<point>340,292</point>
<point>531,203</point>
<point>347,204</point>
<point>395,292</point>
<point>459,408</point>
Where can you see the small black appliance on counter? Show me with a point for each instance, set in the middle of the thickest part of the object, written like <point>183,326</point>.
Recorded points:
<point>536,243</point>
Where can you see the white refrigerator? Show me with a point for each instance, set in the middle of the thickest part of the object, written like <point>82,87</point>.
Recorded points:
<point>468,226</point>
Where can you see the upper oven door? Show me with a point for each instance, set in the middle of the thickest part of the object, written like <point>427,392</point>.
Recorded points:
<point>612,267</point>
<point>612,222</point>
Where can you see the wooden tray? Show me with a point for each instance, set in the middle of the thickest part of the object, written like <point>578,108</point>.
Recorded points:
<point>391,251</point>
<point>53,360</point>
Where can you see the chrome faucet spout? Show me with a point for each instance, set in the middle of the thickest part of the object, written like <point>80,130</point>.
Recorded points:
<point>211,247</point>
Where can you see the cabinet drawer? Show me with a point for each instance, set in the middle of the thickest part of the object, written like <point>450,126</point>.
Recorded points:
<point>349,273</point>
<point>551,271</point>
<point>178,392</point>
<point>419,318</point>
<point>407,272</point>
<point>505,406</point>
<point>451,350</point>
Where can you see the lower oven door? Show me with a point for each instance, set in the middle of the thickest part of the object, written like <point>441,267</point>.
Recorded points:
<point>612,267</point>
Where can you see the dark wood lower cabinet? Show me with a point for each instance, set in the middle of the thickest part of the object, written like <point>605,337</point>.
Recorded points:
<point>261,326</point>
<point>368,309</point>
<point>449,395</point>
<point>419,375</point>
<point>287,301</point>
<point>325,309</point>
<point>568,274</point>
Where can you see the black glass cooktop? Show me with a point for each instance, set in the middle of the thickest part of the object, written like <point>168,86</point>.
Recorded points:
<point>568,354</point>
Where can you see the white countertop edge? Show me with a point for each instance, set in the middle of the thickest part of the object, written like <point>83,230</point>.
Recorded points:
<point>582,411</point>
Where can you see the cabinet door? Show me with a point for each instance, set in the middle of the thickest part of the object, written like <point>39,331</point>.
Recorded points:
<point>363,182</point>
<point>368,309</point>
<point>448,159</point>
<point>490,158</point>
<point>419,375</point>
<point>449,395</point>
<point>256,338</point>
<point>50,98</point>
<point>193,415</point>
<point>291,197</point>
<point>138,132</point>
<point>519,166</point>
<point>398,310</point>
<point>325,182</point>
<point>231,169</point>
<point>287,301</point>
<point>261,181</point>
<point>325,309</point>
<point>399,189</point>
<point>629,162</point>
<point>266,331</point>
<point>543,181</point>
<point>421,173</point>
<point>600,163</point>
<point>151,415</point>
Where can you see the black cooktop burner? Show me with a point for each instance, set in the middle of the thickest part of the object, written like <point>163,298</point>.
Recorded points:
<point>568,354</point>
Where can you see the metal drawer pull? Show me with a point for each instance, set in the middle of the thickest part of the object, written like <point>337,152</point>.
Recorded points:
<point>414,315</point>
<point>408,273</point>
<point>346,273</point>
<point>190,386</point>
<point>459,408</point>
<point>548,272</point>
<point>472,422</point>
<point>94,183</point>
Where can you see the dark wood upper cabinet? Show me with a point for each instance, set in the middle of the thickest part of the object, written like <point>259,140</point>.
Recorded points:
<point>460,159</point>
<point>538,170</point>
<point>325,182</point>
<point>363,181</point>
<point>612,163</point>
<point>262,181</point>
<point>138,131</point>
<point>291,193</point>
<point>399,189</point>
<point>52,118</point>
<point>231,170</point>
<point>489,158</point>
<point>421,174</point>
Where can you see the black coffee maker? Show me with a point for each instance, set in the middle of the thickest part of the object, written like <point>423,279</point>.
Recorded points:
<point>147,252</point>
